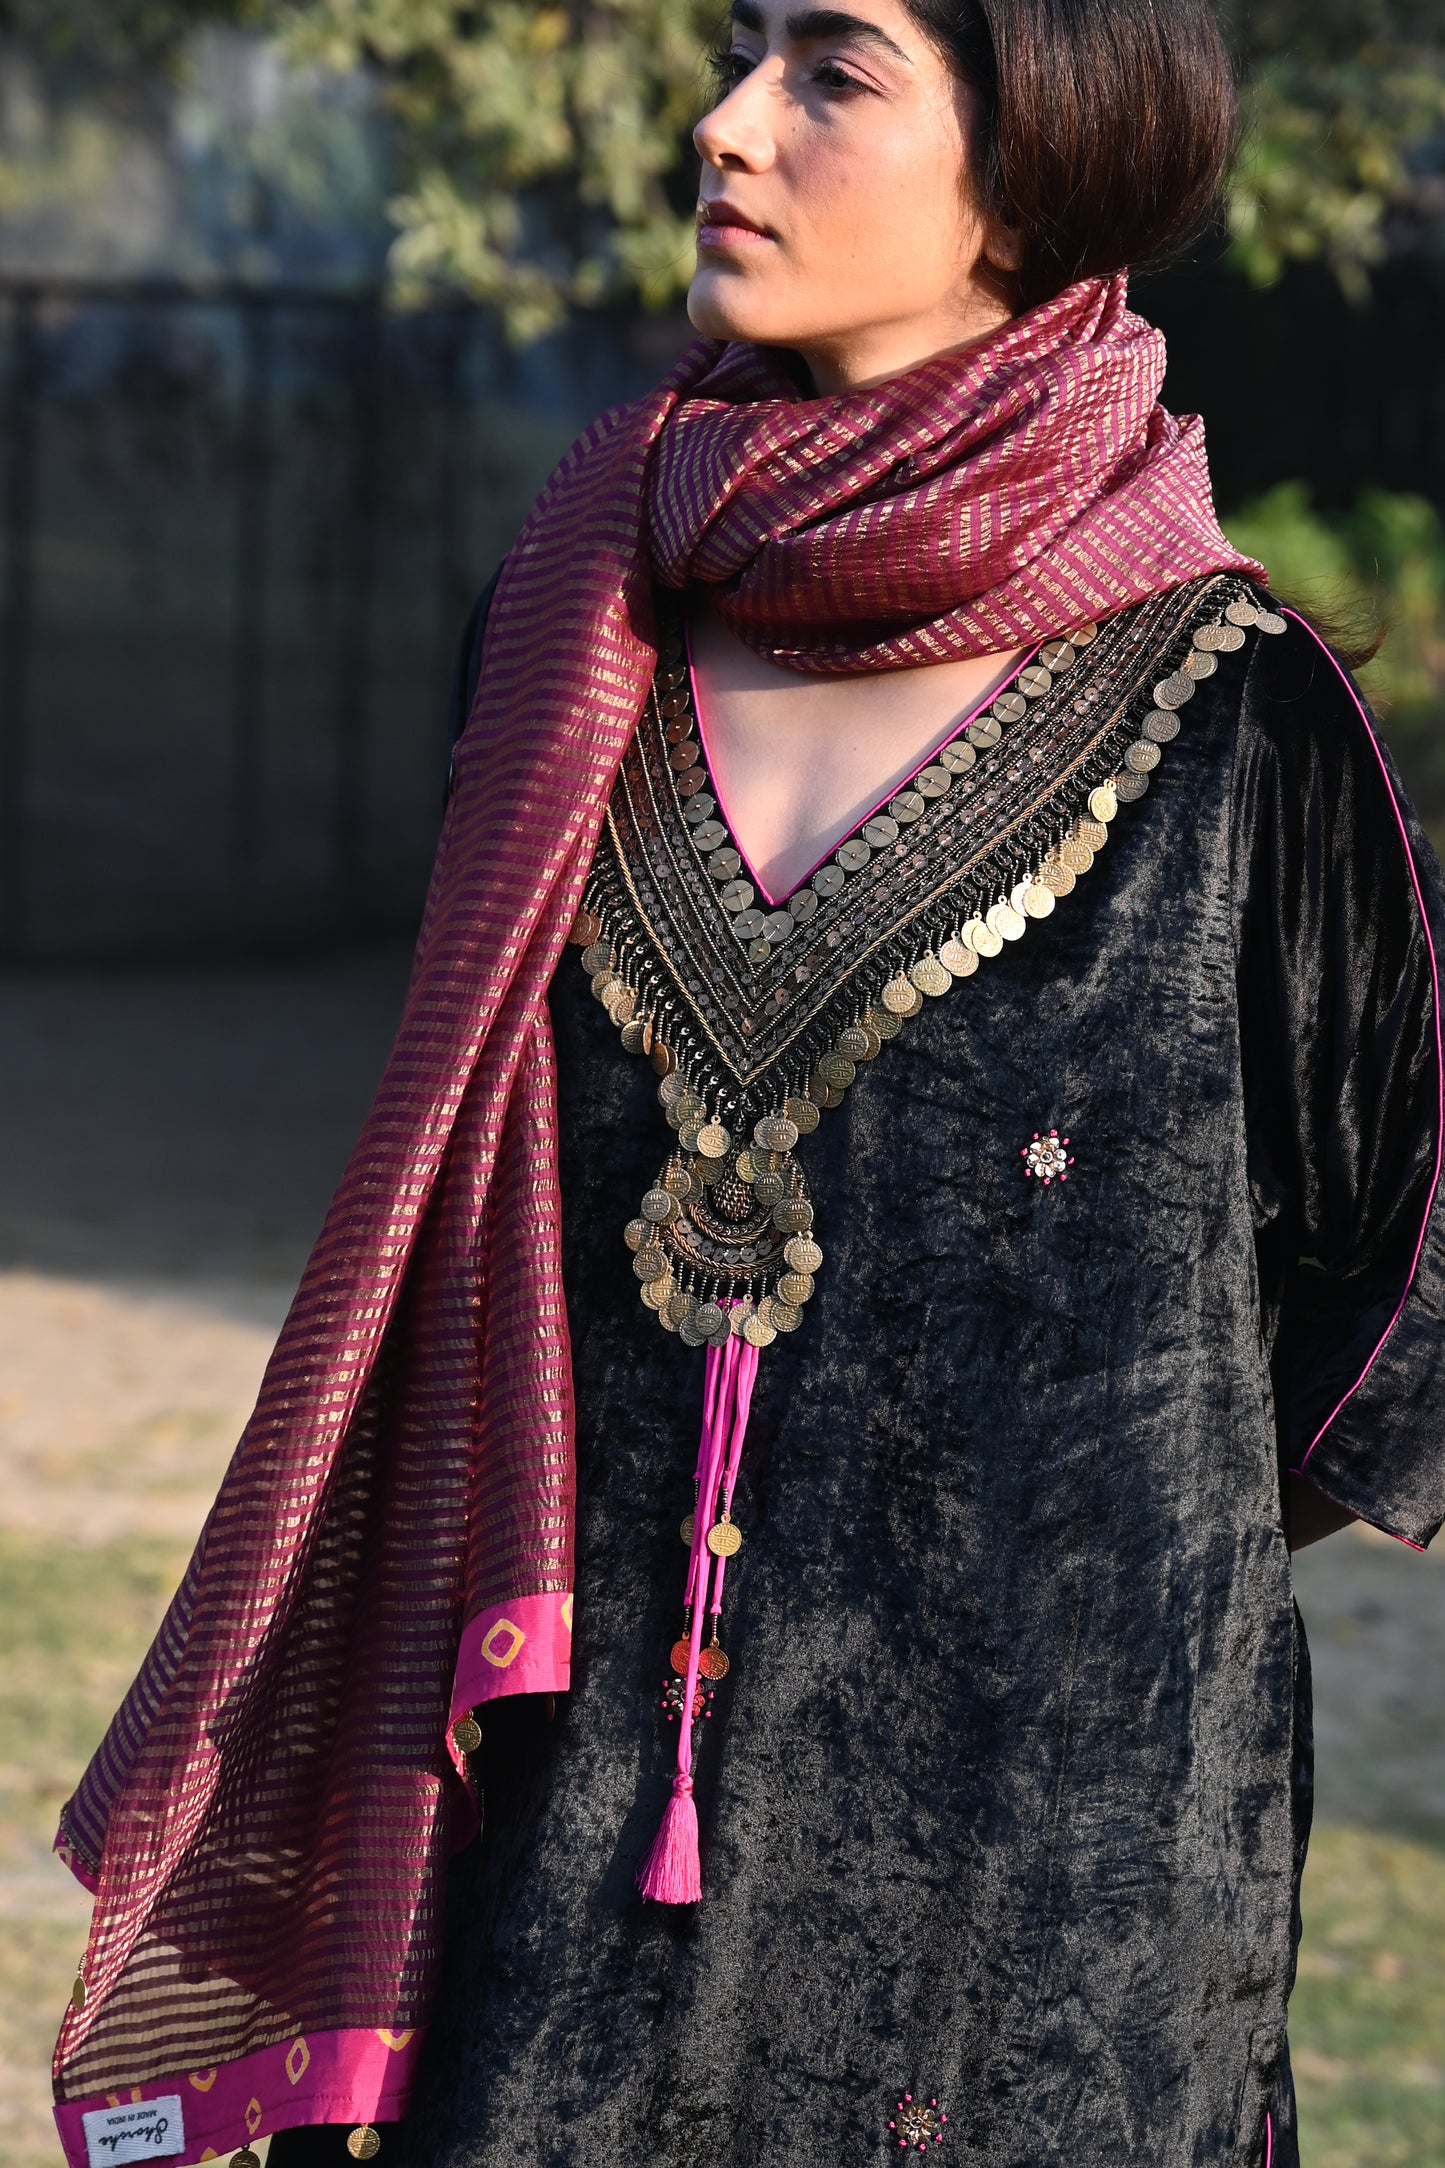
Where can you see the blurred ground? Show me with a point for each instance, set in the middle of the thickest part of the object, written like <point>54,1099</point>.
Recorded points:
<point>168,1142</point>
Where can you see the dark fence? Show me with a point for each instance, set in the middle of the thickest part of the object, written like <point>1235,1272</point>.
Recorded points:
<point>239,533</point>
<point>240,529</point>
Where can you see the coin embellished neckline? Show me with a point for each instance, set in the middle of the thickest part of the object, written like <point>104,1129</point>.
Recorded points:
<point>757,1023</point>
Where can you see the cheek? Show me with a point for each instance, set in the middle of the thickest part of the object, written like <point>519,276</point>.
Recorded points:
<point>888,198</point>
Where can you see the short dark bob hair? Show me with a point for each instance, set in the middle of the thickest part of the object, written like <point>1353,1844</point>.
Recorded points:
<point>1105,126</point>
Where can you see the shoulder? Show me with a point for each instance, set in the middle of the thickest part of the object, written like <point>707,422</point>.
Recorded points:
<point>1305,724</point>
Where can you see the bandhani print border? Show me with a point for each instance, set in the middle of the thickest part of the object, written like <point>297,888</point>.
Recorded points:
<point>321,2077</point>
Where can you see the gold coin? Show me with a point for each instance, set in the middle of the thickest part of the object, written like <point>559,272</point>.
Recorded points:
<point>1038,900</point>
<point>874,1042</point>
<point>768,1189</point>
<point>930,976</point>
<point>725,1539</point>
<point>1161,726</point>
<point>1199,663</point>
<point>663,1059</point>
<point>794,1216</point>
<point>597,957</point>
<point>649,1264</point>
<point>885,1023</point>
<point>680,1306</point>
<point>796,1287</point>
<point>654,1293</point>
<point>245,2158</point>
<point>659,1205</point>
<point>688,1529</point>
<point>364,2143</point>
<point>709,1318</point>
<point>621,1005</point>
<point>758,1332</point>
<point>1173,691</point>
<point>637,1036</point>
<point>1242,612</point>
<point>680,1656</point>
<point>803,1115</point>
<point>1057,876</point>
<point>980,936</point>
<point>713,1663</point>
<point>1271,622</point>
<point>803,1254</point>
<point>837,1071</point>
<point>77,1993</point>
<point>466,1735</point>
<point>713,1140</point>
<point>1102,802</point>
<point>677,1181</point>
<point>744,1166</point>
<point>852,1044</point>
<point>786,1316</point>
<point>1142,756</point>
<point>899,995</point>
<point>1075,854</point>
<point>603,983</point>
<point>585,928</point>
<point>635,1233</point>
<point>776,1133</point>
<point>958,959</point>
<point>1094,833</point>
<point>1005,920</point>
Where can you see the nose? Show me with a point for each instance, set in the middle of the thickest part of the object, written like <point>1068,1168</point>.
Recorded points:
<point>737,135</point>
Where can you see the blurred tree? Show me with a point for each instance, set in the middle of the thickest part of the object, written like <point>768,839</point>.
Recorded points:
<point>550,161</point>
<point>114,33</point>
<point>1344,110</point>
<point>546,153</point>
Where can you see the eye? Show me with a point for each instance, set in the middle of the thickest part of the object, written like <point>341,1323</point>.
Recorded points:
<point>727,70</point>
<point>831,77</point>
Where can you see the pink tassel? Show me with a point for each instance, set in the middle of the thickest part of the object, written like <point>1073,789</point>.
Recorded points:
<point>672,1872</point>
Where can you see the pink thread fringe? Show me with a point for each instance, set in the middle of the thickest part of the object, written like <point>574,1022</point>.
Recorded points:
<point>672,1872</point>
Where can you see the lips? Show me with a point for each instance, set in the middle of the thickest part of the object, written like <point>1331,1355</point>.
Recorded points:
<point>721,221</point>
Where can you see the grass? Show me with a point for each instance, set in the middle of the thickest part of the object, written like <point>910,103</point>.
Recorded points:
<point>1368,2021</point>
<point>73,1626</point>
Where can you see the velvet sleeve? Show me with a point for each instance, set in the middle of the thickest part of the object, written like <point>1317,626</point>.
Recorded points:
<point>1338,923</point>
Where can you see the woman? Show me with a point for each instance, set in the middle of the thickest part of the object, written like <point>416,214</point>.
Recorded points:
<point>1044,1245</point>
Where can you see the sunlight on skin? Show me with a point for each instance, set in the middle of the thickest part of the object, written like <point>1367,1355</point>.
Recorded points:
<point>836,219</point>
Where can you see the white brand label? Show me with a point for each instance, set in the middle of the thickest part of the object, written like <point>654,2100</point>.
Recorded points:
<point>141,2130</point>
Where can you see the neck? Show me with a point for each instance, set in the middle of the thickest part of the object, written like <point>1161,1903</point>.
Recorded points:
<point>871,354</point>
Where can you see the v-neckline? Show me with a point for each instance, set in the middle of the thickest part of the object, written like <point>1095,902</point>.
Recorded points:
<point>954,730</point>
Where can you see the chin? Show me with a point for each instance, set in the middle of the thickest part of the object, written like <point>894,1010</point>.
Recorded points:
<point>721,307</point>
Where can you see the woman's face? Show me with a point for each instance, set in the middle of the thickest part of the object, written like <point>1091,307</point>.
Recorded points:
<point>835,213</point>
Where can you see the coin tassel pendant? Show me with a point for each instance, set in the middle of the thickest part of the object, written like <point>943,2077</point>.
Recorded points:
<point>672,1872</point>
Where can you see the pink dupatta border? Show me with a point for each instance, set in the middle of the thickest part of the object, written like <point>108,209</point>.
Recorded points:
<point>327,2077</point>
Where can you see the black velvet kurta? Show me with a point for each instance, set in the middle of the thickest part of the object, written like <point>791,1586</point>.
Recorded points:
<point>1005,1799</point>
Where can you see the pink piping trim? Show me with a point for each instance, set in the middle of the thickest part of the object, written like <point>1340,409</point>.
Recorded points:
<point>1439,1061</point>
<point>1268,2140</point>
<point>948,737</point>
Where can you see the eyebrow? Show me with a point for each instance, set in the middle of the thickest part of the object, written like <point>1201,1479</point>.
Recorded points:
<point>811,23</point>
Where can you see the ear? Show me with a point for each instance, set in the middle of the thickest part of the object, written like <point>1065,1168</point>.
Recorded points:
<point>1003,246</point>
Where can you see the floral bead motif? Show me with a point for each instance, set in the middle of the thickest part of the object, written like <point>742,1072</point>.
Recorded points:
<point>917,2126</point>
<point>1048,1157</point>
